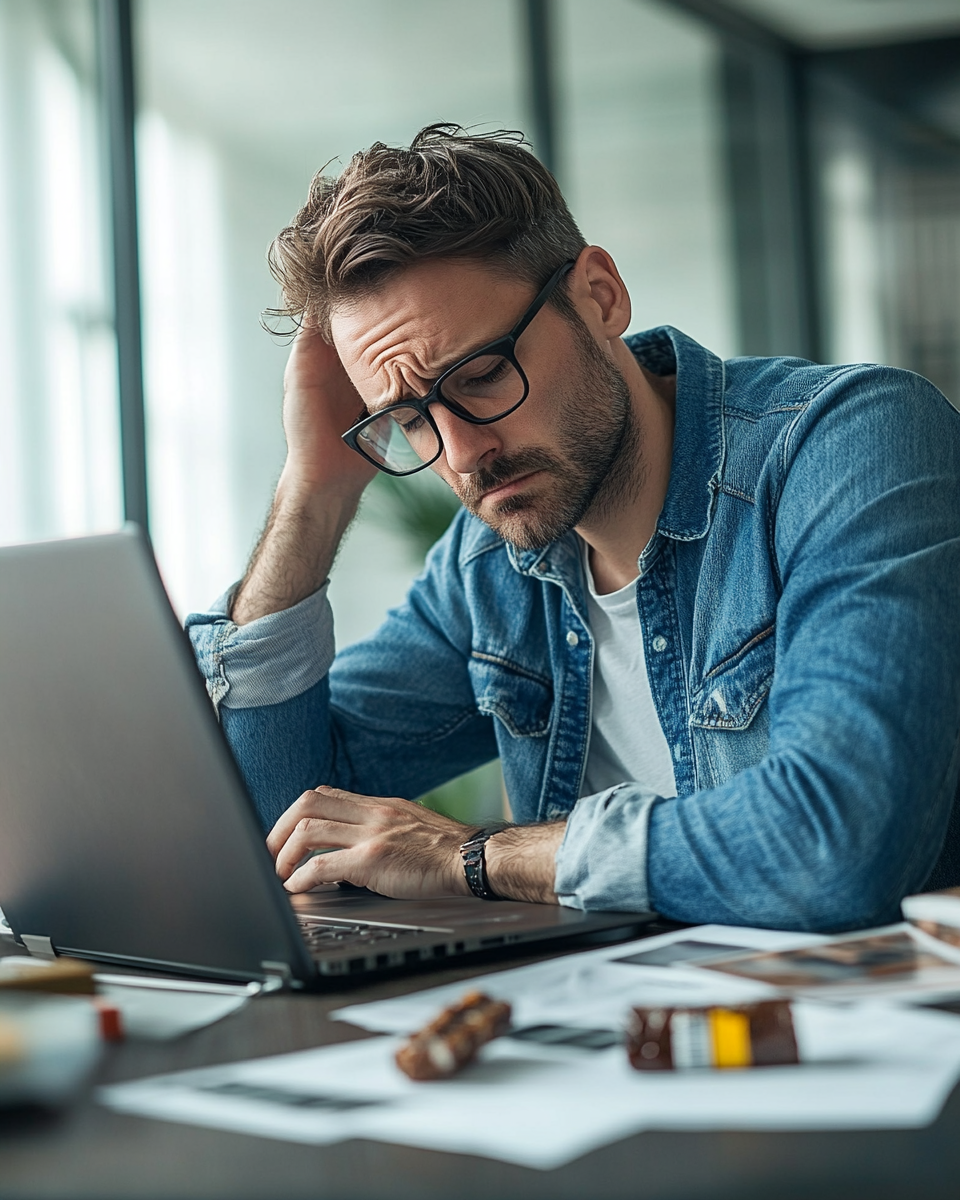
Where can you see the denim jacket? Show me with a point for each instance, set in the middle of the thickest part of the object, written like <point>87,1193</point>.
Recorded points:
<point>800,609</point>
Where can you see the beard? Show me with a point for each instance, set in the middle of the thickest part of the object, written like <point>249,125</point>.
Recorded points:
<point>597,468</point>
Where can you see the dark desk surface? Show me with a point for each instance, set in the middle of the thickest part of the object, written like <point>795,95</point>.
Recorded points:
<point>89,1152</point>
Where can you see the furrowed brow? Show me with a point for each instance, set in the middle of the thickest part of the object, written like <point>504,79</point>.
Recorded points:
<point>454,361</point>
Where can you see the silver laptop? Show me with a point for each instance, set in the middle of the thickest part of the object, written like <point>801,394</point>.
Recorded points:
<point>126,833</point>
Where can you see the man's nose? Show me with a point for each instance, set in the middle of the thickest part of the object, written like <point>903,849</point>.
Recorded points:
<point>465,446</point>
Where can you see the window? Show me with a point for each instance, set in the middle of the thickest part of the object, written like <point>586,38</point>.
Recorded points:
<point>59,434</point>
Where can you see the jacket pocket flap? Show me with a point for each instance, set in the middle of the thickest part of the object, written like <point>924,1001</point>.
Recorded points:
<point>517,697</point>
<point>733,691</point>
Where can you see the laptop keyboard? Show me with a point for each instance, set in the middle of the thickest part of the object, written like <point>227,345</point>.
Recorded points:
<point>342,935</point>
<point>340,946</point>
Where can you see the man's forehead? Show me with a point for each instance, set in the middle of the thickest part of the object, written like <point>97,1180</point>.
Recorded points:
<point>421,321</point>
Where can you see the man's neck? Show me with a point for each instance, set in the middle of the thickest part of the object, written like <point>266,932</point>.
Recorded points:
<point>617,537</point>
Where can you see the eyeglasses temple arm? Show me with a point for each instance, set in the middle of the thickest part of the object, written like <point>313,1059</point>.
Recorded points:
<point>541,298</point>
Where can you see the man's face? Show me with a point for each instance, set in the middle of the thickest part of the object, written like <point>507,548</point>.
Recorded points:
<point>569,452</point>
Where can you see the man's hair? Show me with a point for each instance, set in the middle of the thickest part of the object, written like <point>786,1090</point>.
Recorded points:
<point>452,194</point>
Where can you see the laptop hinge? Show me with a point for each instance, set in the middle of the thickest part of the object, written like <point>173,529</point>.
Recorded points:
<point>39,947</point>
<point>279,975</point>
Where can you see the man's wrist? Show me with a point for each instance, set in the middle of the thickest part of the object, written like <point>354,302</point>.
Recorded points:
<point>302,485</point>
<point>296,552</point>
<point>473,857</point>
<point>322,506</point>
<point>520,861</point>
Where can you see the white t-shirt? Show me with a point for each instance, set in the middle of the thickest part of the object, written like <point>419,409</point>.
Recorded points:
<point>626,738</point>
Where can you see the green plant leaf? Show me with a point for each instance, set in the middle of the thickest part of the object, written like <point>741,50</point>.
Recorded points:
<point>418,507</point>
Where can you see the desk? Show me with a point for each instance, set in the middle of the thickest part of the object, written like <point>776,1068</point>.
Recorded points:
<point>89,1153</point>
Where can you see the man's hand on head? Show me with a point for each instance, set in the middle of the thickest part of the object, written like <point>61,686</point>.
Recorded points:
<point>401,849</point>
<point>319,404</point>
<point>320,486</point>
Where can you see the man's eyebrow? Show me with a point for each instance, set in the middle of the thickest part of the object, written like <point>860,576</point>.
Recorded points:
<point>459,358</point>
<point>390,403</point>
<point>453,361</point>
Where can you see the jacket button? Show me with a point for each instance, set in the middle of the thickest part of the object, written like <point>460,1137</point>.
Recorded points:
<point>659,643</point>
<point>572,639</point>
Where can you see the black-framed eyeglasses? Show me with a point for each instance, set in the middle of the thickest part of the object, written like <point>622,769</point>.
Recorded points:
<point>484,387</point>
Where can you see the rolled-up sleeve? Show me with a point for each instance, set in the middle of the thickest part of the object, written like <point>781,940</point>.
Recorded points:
<point>602,861</point>
<point>267,661</point>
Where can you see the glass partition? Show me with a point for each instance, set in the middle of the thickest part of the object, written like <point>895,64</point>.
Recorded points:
<point>642,159</point>
<point>59,425</point>
<point>889,193</point>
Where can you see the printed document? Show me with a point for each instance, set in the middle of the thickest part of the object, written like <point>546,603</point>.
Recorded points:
<point>559,1085</point>
<point>867,1067</point>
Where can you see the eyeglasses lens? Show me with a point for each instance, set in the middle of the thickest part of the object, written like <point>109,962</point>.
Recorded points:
<point>401,440</point>
<point>486,386</point>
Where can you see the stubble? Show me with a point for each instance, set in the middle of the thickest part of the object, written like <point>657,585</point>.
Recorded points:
<point>598,468</point>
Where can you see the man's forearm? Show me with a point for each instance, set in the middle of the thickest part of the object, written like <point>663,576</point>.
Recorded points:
<point>521,864</point>
<point>296,551</point>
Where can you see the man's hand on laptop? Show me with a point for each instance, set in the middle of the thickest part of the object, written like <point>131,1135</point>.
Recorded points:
<point>403,850</point>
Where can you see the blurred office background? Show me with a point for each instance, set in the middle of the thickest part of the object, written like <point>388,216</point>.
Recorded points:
<point>771,176</point>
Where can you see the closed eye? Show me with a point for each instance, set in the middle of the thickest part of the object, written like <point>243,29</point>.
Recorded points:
<point>411,426</point>
<point>494,375</point>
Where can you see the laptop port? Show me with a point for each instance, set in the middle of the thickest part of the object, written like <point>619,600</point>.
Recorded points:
<point>411,956</point>
<point>356,965</point>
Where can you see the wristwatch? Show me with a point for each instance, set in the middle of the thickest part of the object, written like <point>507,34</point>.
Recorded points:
<point>473,853</point>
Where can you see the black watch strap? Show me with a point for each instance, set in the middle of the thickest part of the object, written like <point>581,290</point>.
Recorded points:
<point>473,853</point>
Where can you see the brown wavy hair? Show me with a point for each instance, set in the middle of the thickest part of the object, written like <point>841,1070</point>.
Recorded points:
<point>452,194</point>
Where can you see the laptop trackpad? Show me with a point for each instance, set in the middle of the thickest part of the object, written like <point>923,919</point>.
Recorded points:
<point>458,912</point>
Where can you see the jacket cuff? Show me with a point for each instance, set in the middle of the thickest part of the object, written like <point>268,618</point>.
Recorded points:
<point>602,861</point>
<point>267,661</point>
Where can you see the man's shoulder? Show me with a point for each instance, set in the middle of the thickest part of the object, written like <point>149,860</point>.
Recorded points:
<point>756,387</point>
<point>753,386</point>
<point>792,393</point>
<point>836,418</point>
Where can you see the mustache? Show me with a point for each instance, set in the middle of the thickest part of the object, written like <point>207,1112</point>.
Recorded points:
<point>502,470</point>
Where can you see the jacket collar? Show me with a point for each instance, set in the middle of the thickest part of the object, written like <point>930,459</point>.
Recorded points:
<point>698,443</point>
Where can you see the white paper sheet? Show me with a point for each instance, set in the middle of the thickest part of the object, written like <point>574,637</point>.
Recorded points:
<point>590,989</point>
<point>867,1067</point>
<point>159,1008</point>
<point>158,1014</point>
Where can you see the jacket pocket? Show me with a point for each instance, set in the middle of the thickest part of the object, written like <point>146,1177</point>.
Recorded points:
<point>733,691</point>
<point>516,696</point>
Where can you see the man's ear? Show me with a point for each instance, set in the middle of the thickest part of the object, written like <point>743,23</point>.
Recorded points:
<point>599,293</point>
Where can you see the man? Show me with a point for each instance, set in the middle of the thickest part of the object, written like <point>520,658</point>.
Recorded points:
<point>706,613</point>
